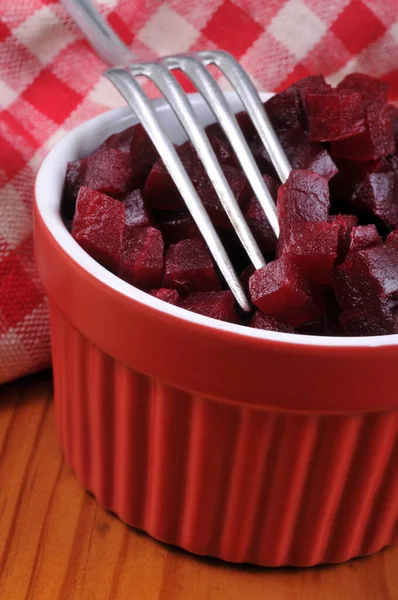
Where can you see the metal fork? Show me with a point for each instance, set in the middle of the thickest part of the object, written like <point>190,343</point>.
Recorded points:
<point>123,73</point>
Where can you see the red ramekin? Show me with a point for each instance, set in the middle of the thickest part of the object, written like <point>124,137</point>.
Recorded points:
<point>242,444</point>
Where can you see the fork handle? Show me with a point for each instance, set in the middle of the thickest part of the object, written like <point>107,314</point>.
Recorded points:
<point>106,43</point>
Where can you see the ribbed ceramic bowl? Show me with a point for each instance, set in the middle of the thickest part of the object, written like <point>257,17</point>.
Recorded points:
<point>246,445</point>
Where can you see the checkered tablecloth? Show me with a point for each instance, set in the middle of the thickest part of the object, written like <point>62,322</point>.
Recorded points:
<point>50,80</point>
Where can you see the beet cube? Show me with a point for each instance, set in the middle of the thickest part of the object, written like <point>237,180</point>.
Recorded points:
<point>350,175</point>
<point>175,228</point>
<point>314,84</point>
<point>279,291</point>
<point>377,194</point>
<point>189,267</point>
<point>98,226</point>
<point>333,115</point>
<point>258,222</point>
<point>216,130</point>
<point>312,247</point>
<point>141,259</point>
<point>282,110</point>
<point>393,111</point>
<point>143,154</point>
<point>346,223</point>
<point>222,150</point>
<point>304,197</point>
<point>303,154</point>
<point>217,305</point>
<point>311,83</point>
<point>379,319</point>
<point>331,322</point>
<point>255,144</point>
<point>160,191</point>
<point>370,88</point>
<point>364,236</point>
<point>108,171</point>
<point>167,295</point>
<point>74,177</point>
<point>375,142</point>
<point>365,276</point>
<point>261,321</point>
<point>210,200</point>
<point>392,239</point>
<point>244,277</point>
<point>136,213</point>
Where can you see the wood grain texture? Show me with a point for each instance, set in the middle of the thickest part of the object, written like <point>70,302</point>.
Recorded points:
<point>57,543</point>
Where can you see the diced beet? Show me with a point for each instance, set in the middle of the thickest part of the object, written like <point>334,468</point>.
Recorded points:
<point>364,236</point>
<point>333,115</point>
<point>377,194</point>
<point>312,328</point>
<point>312,247</point>
<point>98,226</point>
<point>279,291</point>
<point>380,265</point>
<point>379,319</point>
<point>178,227</point>
<point>258,222</point>
<point>233,247</point>
<point>261,157</point>
<point>189,267</point>
<point>122,140</point>
<point>74,178</point>
<point>282,110</point>
<point>366,276</point>
<point>160,191</point>
<point>141,259</point>
<point>311,83</point>
<point>143,154</point>
<point>304,197</point>
<point>255,144</point>
<point>346,223</point>
<point>393,111</point>
<point>350,175</point>
<point>216,130</point>
<point>306,155</point>
<point>370,88</point>
<point>261,321</point>
<point>108,171</point>
<point>222,151</point>
<point>375,142</point>
<point>167,295</point>
<point>246,124</point>
<point>331,322</point>
<point>210,200</point>
<point>217,305</point>
<point>392,239</point>
<point>136,212</point>
<point>244,277</point>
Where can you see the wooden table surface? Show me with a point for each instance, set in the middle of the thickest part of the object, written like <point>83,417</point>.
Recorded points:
<point>57,543</point>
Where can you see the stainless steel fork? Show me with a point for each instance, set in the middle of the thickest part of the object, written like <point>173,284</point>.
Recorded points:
<point>123,73</point>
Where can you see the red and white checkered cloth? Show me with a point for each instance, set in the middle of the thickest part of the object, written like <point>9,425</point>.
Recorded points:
<point>50,80</point>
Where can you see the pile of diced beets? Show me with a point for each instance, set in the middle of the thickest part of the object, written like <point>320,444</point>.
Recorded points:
<point>334,270</point>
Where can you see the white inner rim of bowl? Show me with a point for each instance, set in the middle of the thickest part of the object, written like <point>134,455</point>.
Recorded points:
<point>85,138</point>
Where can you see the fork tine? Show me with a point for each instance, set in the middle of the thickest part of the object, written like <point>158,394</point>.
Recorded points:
<point>253,105</point>
<point>177,99</point>
<point>210,90</point>
<point>141,105</point>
